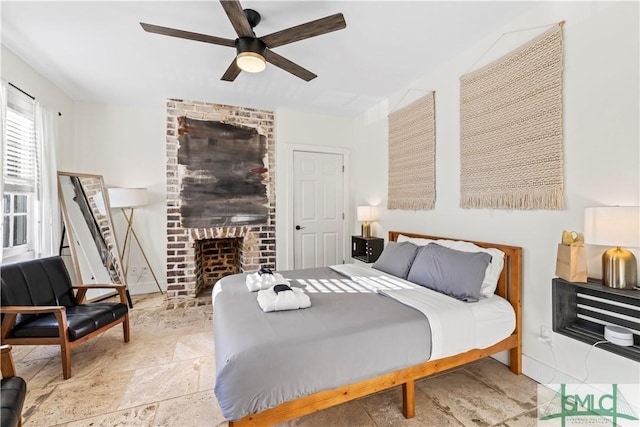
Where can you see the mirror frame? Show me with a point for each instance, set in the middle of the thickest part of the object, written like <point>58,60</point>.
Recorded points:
<point>111,239</point>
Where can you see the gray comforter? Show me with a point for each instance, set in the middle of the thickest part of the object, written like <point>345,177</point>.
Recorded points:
<point>265,359</point>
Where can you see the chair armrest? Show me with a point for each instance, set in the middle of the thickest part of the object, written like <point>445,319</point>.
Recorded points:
<point>99,286</point>
<point>82,291</point>
<point>7,366</point>
<point>31,309</point>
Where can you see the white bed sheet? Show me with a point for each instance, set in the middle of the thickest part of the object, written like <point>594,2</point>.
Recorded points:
<point>494,318</point>
<point>478,325</point>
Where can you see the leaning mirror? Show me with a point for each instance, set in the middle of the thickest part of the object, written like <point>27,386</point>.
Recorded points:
<point>88,229</point>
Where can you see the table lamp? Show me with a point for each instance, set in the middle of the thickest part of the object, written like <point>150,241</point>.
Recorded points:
<point>366,214</point>
<point>617,226</point>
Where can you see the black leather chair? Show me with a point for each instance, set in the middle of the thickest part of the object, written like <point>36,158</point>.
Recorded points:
<point>39,308</point>
<point>13,390</point>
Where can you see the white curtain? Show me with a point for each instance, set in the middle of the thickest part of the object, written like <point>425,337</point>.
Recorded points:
<point>3,115</point>
<point>47,207</point>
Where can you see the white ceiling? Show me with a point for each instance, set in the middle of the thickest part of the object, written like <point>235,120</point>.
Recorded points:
<point>96,51</point>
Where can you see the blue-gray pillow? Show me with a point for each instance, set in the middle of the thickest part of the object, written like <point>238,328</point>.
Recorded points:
<point>451,272</point>
<point>396,259</point>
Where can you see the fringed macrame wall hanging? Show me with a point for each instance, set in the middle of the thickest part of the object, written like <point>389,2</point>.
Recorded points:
<point>412,140</point>
<point>511,129</point>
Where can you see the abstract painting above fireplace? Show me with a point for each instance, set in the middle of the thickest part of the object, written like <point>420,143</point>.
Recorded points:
<point>224,174</point>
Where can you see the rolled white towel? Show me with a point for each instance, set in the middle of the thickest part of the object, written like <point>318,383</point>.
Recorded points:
<point>256,282</point>
<point>294,299</point>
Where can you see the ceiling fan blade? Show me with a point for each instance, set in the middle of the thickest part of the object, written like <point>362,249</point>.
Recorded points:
<point>232,72</point>
<point>187,35</point>
<point>291,67</point>
<point>236,15</point>
<point>305,31</point>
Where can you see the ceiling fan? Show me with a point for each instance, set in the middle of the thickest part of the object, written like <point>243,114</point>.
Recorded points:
<point>253,52</point>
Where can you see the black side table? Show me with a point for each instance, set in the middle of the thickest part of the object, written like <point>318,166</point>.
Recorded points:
<point>366,249</point>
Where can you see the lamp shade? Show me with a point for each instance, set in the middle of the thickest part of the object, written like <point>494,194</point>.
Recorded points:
<point>127,197</point>
<point>367,213</point>
<point>612,226</point>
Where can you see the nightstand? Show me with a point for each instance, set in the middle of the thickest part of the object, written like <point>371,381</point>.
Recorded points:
<point>366,249</point>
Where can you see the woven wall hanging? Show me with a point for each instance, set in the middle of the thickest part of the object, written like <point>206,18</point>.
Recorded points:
<point>412,140</point>
<point>511,129</point>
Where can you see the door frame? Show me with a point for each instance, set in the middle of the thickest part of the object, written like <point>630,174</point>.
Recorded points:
<point>286,229</point>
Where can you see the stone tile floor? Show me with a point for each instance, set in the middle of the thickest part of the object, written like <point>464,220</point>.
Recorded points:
<point>165,376</point>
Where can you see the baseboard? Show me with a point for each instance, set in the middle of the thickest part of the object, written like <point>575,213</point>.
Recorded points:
<point>538,371</point>
<point>543,373</point>
<point>502,357</point>
<point>144,288</point>
<point>549,377</point>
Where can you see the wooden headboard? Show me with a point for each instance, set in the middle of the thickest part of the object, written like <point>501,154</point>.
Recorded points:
<point>510,282</point>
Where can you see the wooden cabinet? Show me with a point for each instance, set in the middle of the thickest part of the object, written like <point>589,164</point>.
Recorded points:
<point>366,249</point>
<point>580,311</point>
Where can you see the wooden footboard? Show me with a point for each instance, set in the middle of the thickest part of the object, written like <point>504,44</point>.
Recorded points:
<point>509,287</point>
<point>405,377</point>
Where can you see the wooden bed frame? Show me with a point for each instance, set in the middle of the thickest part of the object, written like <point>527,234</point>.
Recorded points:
<point>509,287</point>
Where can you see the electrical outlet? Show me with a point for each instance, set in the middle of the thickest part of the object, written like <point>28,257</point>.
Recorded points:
<point>545,334</point>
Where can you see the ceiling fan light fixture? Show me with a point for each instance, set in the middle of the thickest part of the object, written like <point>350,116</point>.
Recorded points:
<point>250,62</point>
<point>250,56</point>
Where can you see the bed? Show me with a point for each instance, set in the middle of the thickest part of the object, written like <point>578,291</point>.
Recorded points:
<point>352,341</point>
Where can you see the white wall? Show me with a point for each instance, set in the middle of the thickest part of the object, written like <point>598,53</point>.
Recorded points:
<point>20,74</point>
<point>295,128</point>
<point>127,146</point>
<point>601,151</point>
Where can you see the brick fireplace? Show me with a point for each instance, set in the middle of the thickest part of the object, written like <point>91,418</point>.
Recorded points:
<point>198,257</point>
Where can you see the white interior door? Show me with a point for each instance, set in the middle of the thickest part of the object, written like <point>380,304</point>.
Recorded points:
<point>318,209</point>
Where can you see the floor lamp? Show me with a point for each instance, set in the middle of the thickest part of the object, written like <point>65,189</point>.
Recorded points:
<point>127,199</point>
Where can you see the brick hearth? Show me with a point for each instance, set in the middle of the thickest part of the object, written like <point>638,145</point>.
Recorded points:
<point>186,269</point>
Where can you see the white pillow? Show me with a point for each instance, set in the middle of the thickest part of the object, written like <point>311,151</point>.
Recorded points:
<point>494,269</point>
<point>415,240</point>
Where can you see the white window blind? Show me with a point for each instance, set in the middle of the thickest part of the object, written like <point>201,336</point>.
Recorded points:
<point>20,160</point>
<point>20,174</point>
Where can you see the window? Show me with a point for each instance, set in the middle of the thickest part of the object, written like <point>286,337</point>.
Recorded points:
<point>20,174</point>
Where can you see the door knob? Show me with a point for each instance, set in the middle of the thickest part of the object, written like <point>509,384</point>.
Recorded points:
<point>298,227</point>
